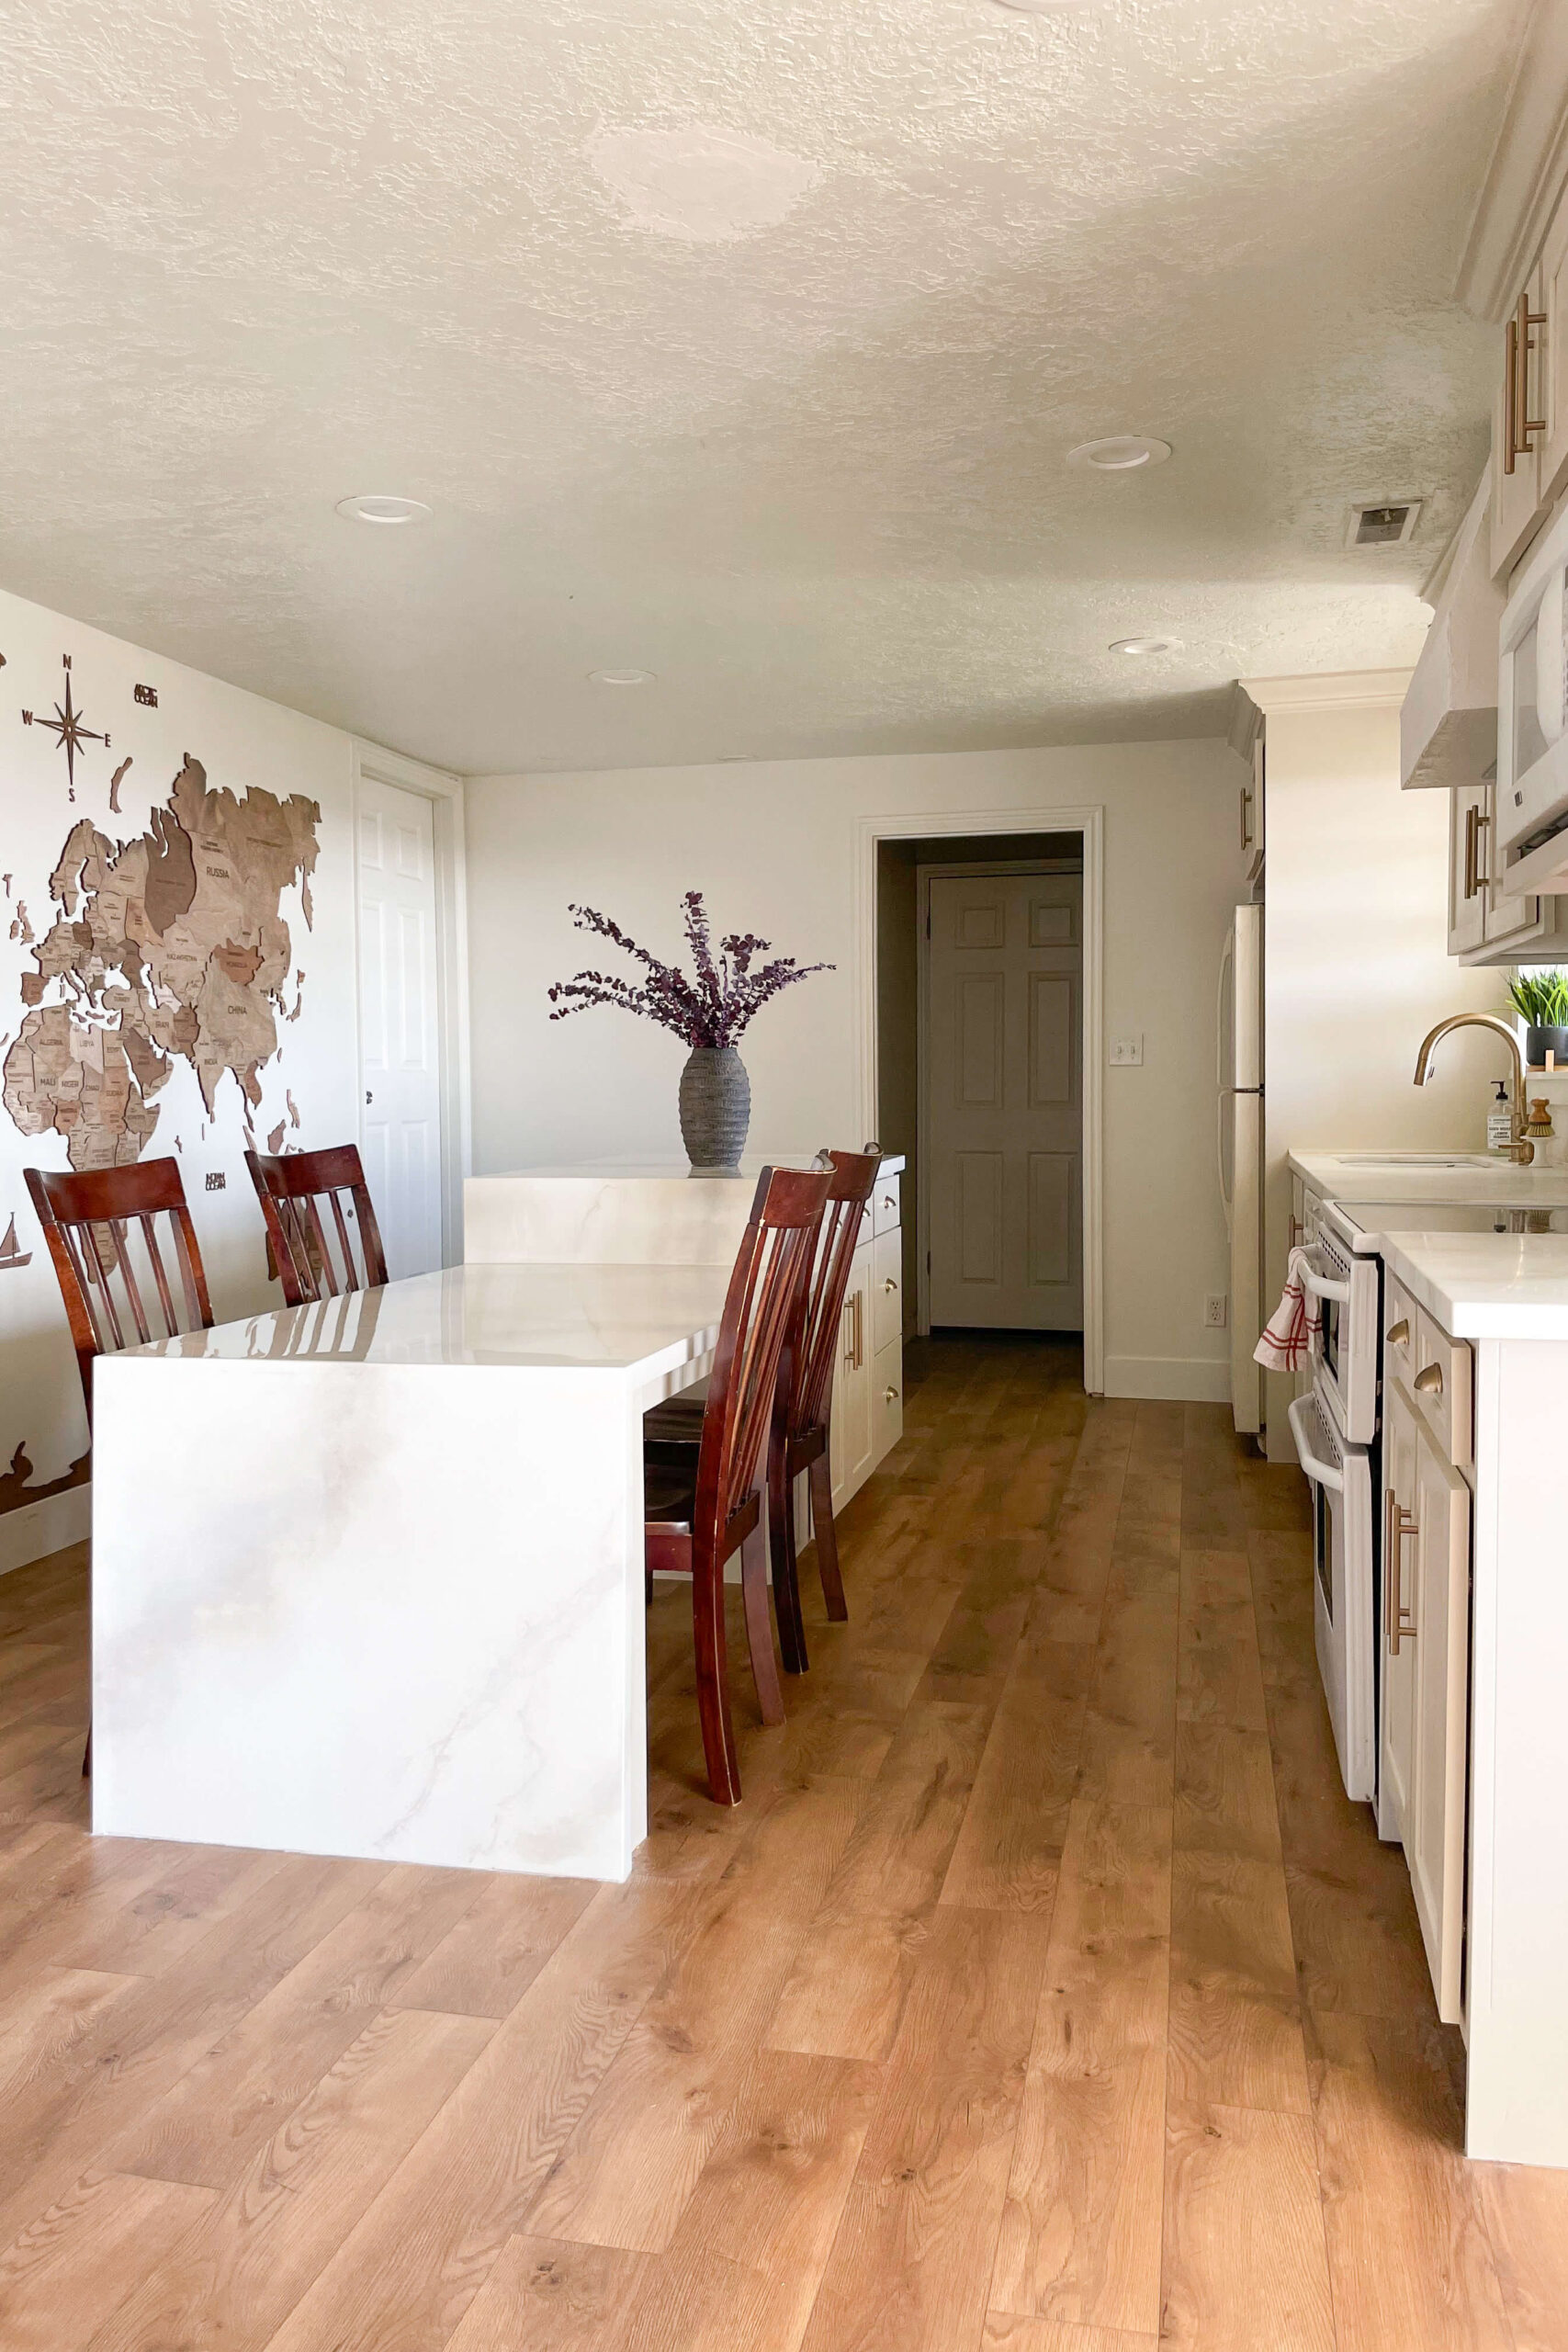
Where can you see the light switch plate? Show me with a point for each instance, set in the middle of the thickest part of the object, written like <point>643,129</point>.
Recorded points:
<point>1126,1053</point>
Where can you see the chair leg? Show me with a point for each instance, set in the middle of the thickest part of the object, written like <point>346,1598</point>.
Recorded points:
<point>713,1689</point>
<point>759,1626</point>
<point>781,1545</point>
<point>821,1477</point>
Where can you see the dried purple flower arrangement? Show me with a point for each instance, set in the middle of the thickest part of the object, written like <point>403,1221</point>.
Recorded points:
<point>713,1010</point>
<point>710,1012</point>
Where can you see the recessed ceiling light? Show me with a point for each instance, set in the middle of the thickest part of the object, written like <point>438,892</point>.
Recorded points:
<point>1120,453</point>
<point>1144,645</point>
<point>622,677</point>
<point>374,506</point>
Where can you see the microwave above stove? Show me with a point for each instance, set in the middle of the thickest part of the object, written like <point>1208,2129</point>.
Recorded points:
<point>1532,724</point>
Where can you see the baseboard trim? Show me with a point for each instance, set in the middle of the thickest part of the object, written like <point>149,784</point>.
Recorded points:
<point>35,1530</point>
<point>1181,1380</point>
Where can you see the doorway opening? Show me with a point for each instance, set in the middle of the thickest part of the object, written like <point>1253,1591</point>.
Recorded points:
<point>411,955</point>
<point>984,1068</point>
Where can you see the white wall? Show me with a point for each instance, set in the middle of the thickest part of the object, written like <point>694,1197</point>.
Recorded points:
<point>1355,963</point>
<point>772,844</point>
<point>244,744</point>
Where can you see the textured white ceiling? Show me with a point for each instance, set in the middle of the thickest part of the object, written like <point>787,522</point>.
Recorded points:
<point>741,345</point>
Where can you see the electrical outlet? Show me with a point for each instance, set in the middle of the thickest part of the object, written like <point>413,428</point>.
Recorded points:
<point>1215,1311</point>
<point>216,1180</point>
<point>1126,1053</point>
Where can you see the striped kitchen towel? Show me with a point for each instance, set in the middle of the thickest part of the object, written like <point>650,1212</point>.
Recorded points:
<point>1294,1325</point>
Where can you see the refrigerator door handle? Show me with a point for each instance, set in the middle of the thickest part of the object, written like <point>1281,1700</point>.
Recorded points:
<point>1224,1101</point>
<point>1224,1077</point>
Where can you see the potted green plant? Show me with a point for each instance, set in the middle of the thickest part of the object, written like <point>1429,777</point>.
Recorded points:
<point>1540,1000</point>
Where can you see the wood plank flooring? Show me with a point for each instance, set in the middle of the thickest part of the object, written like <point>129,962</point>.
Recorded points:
<point>1045,1994</point>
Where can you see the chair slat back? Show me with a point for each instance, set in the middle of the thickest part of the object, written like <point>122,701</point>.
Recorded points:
<point>115,1278</point>
<point>849,1189</point>
<point>292,1192</point>
<point>762,1308</point>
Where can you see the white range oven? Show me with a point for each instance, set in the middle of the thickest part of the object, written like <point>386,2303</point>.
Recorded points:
<point>1338,1430</point>
<point>1344,1520</point>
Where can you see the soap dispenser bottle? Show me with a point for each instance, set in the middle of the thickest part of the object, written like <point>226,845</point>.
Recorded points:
<point>1500,1122</point>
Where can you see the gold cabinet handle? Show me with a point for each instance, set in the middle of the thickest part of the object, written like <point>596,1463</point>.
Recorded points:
<point>890,1395</point>
<point>889,1284</point>
<point>859,1305</point>
<point>1471,850</point>
<point>1246,816</point>
<point>1429,1380</point>
<point>1519,423</point>
<point>889,1201</point>
<point>1483,824</point>
<point>1510,395</point>
<point>1398,1624</point>
<point>1398,1333</point>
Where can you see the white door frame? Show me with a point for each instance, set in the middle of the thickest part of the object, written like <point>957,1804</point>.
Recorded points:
<point>444,792</point>
<point>924,824</point>
<point>924,876</point>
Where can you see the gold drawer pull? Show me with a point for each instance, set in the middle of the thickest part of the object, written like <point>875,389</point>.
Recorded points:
<point>1399,1625</point>
<point>890,1395</point>
<point>1429,1380</point>
<point>889,1201</point>
<point>1399,1333</point>
<point>889,1284</point>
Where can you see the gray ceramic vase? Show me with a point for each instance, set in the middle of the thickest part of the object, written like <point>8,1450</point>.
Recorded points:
<point>716,1109</point>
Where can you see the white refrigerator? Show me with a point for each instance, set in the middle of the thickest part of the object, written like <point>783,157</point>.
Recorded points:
<point>1239,1074</point>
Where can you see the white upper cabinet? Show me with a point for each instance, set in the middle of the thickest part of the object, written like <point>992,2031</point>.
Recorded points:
<point>1519,422</point>
<point>1488,923</point>
<point>1550,280</point>
<point>1468,818</point>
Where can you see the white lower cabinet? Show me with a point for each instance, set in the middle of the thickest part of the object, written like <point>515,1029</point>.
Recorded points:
<point>868,1379</point>
<point>851,1435</point>
<point>1425,1663</point>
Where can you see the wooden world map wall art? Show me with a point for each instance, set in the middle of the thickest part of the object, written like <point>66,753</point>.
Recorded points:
<point>168,946</point>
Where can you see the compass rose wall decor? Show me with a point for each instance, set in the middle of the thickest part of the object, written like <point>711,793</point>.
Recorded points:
<point>67,726</point>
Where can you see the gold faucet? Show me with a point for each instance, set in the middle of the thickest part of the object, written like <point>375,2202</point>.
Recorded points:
<point>1520,1150</point>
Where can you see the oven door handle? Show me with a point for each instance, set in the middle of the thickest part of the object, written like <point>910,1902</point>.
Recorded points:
<point>1322,1473</point>
<point>1321,1287</point>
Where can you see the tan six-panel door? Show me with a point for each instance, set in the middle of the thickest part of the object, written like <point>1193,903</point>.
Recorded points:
<point>1005,1101</point>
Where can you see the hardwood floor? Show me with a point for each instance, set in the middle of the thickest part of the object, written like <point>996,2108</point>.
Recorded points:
<point>1044,1995</point>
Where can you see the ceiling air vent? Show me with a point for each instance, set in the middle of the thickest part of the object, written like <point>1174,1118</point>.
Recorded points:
<point>1383,523</point>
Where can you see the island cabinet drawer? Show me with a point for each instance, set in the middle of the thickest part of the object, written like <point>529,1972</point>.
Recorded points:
<point>1401,1323</point>
<point>1440,1383</point>
<point>886,1288</point>
<point>884,1206</point>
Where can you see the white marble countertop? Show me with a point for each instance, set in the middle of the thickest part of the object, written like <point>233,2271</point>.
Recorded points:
<point>647,1318</point>
<point>1414,1177</point>
<point>1485,1286</point>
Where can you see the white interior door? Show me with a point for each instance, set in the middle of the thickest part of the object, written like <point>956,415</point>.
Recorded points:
<point>399,1108</point>
<point>1004,1082</point>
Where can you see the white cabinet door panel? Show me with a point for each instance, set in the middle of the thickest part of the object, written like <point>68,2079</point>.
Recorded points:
<point>1434,1837</point>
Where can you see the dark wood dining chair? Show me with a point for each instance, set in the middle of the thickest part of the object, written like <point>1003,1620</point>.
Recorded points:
<point>802,1428</point>
<point>97,1226</point>
<point>291,1191</point>
<point>701,1509</point>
